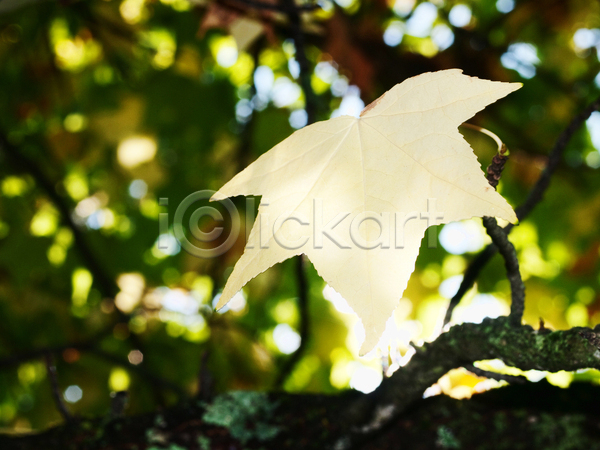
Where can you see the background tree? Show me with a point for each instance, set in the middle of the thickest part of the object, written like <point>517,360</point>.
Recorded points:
<point>112,113</point>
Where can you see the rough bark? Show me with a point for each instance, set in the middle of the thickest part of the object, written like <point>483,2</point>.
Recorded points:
<point>394,413</point>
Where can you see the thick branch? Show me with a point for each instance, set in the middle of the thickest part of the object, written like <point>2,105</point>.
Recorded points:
<point>521,347</point>
<point>517,346</point>
<point>317,421</point>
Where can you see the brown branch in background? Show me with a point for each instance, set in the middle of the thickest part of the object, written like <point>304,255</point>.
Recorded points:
<point>243,157</point>
<point>13,361</point>
<point>289,365</point>
<point>118,403</point>
<point>205,379</point>
<point>470,276</point>
<point>293,14</point>
<point>535,196</point>
<point>310,105</point>
<point>274,6</point>
<point>91,347</point>
<point>60,404</point>
<point>139,370</point>
<point>537,192</point>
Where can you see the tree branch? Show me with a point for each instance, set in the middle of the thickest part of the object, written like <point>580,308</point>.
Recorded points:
<point>507,250</point>
<point>517,379</point>
<point>471,275</point>
<point>521,347</point>
<point>60,404</point>
<point>91,347</point>
<point>275,7</point>
<point>293,14</point>
<point>289,365</point>
<point>319,421</point>
<point>535,196</point>
<point>537,192</point>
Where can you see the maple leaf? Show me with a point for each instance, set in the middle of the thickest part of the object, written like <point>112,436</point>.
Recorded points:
<point>356,194</point>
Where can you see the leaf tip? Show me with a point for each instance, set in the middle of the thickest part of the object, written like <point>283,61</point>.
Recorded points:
<point>516,86</point>
<point>217,196</point>
<point>223,300</point>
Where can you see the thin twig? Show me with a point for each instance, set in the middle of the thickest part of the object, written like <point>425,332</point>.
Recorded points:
<point>91,347</point>
<point>60,404</point>
<point>535,196</point>
<point>275,7</point>
<point>293,14</point>
<point>515,379</point>
<point>537,192</point>
<point>471,275</point>
<point>139,370</point>
<point>506,248</point>
<point>289,365</point>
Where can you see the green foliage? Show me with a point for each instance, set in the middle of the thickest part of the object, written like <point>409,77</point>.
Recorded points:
<point>81,79</point>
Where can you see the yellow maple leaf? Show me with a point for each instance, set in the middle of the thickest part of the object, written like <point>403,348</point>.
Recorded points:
<point>357,194</point>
